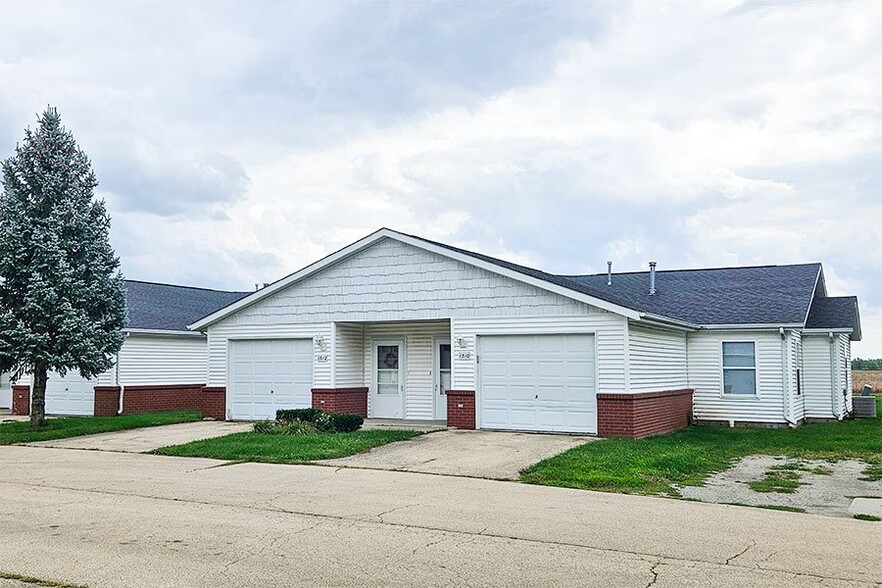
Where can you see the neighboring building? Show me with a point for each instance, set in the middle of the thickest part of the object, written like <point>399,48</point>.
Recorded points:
<point>159,350</point>
<point>396,326</point>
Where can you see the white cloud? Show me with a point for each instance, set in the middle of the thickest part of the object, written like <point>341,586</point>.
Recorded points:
<point>714,133</point>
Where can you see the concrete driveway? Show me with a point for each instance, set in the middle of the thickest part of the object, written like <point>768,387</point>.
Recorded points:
<point>116,519</point>
<point>148,438</point>
<point>476,454</point>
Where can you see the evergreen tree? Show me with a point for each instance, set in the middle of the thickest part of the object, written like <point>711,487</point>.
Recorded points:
<point>62,303</point>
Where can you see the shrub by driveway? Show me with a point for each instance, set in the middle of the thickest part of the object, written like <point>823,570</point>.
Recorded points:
<point>261,447</point>
<point>658,465</point>
<point>62,428</point>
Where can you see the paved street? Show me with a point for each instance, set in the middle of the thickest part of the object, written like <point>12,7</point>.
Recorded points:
<point>115,519</point>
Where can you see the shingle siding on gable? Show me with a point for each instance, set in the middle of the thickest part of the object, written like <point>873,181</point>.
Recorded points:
<point>394,281</point>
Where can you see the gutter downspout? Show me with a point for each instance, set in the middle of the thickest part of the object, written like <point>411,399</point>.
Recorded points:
<point>834,396</point>
<point>785,375</point>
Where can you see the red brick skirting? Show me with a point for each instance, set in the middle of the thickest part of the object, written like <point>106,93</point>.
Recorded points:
<point>461,409</point>
<point>643,414</point>
<point>351,400</point>
<point>213,402</point>
<point>106,400</point>
<point>21,400</point>
<point>154,398</point>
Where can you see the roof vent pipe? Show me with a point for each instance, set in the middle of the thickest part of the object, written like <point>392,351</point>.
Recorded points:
<point>652,278</point>
<point>609,273</point>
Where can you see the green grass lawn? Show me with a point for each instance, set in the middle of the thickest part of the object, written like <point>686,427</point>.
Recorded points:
<point>654,465</point>
<point>286,448</point>
<point>60,428</point>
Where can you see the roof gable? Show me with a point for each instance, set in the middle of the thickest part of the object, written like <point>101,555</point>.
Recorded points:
<point>496,266</point>
<point>835,313</point>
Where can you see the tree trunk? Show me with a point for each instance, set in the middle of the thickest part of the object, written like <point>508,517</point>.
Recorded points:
<point>38,396</point>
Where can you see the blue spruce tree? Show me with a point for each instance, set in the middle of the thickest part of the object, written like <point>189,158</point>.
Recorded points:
<point>62,303</point>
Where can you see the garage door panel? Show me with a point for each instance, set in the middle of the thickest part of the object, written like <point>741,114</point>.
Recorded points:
<point>70,394</point>
<point>538,382</point>
<point>268,375</point>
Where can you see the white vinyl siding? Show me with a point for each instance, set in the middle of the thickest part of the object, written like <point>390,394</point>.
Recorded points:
<point>419,361</point>
<point>817,378</point>
<point>220,335</point>
<point>610,331</point>
<point>154,359</point>
<point>657,359</point>
<point>393,281</point>
<point>706,378</point>
<point>348,356</point>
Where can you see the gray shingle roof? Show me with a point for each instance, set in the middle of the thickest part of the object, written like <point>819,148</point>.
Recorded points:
<point>171,308</point>
<point>771,294</point>
<point>833,313</point>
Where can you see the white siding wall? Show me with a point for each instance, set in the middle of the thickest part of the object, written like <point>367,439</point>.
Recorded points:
<point>706,378</point>
<point>419,361</point>
<point>349,368</point>
<point>220,335</point>
<point>610,335</point>
<point>657,359</point>
<point>393,281</point>
<point>817,379</point>
<point>153,359</point>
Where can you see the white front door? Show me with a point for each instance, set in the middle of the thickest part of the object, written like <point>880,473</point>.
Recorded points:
<point>387,395</point>
<point>268,375</point>
<point>537,383</point>
<point>70,394</point>
<point>442,377</point>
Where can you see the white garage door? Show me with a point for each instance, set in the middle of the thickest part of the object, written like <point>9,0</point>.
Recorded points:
<point>268,375</point>
<point>538,383</point>
<point>70,394</point>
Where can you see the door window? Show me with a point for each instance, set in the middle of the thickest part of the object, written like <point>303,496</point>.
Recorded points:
<point>388,374</point>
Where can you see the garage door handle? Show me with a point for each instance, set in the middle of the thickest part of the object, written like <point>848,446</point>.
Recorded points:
<point>537,397</point>
<point>272,391</point>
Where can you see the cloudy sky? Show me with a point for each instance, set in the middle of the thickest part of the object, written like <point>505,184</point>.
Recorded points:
<point>237,141</point>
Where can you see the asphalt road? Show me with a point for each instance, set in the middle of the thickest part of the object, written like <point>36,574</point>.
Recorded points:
<point>112,519</point>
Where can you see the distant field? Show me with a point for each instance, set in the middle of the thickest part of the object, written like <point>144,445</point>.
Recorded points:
<point>861,377</point>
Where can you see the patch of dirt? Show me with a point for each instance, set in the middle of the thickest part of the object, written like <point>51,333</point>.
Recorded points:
<point>825,488</point>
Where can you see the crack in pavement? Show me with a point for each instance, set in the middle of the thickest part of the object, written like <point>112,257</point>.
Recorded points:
<point>654,571</point>
<point>742,552</point>
<point>475,536</point>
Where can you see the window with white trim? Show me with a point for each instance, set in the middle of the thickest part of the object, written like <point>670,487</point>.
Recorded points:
<point>739,368</point>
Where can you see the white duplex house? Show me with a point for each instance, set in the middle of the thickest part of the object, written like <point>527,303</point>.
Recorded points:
<point>396,326</point>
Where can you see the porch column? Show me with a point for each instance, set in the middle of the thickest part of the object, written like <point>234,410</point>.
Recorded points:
<point>461,409</point>
<point>350,400</point>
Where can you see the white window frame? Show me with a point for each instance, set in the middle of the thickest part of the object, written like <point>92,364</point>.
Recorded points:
<point>723,368</point>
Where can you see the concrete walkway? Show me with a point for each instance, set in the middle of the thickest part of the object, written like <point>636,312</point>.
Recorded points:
<point>148,438</point>
<point>114,519</point>
<point>476,454</point>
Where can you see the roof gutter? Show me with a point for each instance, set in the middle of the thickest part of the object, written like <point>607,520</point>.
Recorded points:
<point>663,321</point>
<point>785,374</point>
<point>165,332</point>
